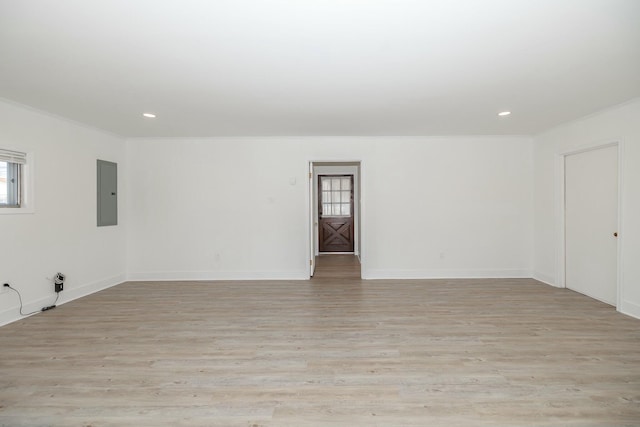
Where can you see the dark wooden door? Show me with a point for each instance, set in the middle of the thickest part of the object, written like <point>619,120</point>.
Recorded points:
<point>335,213</point>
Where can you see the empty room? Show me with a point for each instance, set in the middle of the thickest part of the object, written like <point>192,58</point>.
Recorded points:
<point>320,213</point>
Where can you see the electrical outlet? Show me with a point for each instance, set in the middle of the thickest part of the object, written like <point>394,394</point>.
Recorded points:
<point>58,282</point>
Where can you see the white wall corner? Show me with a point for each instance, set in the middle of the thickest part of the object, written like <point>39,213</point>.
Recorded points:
<point>630,309</point>
<point>546,279</point>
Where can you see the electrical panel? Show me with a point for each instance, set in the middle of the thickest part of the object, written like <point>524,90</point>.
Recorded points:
<point>107,193</point>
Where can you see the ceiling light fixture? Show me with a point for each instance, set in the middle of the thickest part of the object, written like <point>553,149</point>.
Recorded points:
<point>504,113</point>
<point>151,116</point>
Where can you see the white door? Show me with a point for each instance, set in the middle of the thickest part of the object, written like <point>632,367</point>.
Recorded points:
<point>312,225</point>
<point>591,218</point>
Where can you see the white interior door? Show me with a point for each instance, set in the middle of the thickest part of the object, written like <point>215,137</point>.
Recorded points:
<point>591,218</point>
<point>312,225</point>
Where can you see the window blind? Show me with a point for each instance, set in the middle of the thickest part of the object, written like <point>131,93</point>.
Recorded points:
<point>13,156</point>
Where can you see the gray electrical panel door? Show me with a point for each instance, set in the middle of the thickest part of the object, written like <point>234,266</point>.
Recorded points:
<point>107,193</point>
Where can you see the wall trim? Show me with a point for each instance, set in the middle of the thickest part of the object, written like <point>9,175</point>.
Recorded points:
<point>546,279</point>
<point>217,275</point>
<point>630,309</point>
<point>448,274</point>
<point>12,314</point>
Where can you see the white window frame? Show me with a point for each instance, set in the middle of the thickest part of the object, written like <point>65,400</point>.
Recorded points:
<point>27,205</point>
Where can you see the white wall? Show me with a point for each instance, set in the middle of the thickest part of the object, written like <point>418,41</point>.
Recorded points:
<point>61,234</point>
<point>238,208</point>
<point>226,208</point>
<point>620,124</point>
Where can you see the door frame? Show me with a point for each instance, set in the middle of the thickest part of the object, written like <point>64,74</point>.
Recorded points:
<point>311,211</point>
<point>560,173</point>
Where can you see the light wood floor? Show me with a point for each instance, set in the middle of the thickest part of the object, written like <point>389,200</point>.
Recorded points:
<point>337,267</point>
<point>328,352</point>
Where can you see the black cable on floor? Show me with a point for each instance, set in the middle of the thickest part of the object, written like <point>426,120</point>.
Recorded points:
<point>22,306</point>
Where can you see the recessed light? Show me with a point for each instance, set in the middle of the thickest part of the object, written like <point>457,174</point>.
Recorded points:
<point>151,116</point>
<point>504,113</point>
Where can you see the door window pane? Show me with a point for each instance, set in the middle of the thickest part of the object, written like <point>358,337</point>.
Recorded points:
<point>336,195</point>
<point>345,184</point>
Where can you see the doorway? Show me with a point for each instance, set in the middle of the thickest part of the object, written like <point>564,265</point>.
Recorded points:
<point>591,222</point>
<point>335,198</point>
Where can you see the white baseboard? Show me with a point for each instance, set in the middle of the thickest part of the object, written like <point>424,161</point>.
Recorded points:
<point>447,274</point>
<point>217,275</point>
<point>69,294</point>
<point>630,309</point>
<point>90,288</point>
<point>541,277</point>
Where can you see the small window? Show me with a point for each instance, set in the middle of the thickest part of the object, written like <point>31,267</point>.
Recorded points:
<point>336,195</point>
<point>12,178</point>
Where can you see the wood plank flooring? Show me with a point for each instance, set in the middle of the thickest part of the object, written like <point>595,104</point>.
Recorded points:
<point>327,352</point>
<point>337,267</point>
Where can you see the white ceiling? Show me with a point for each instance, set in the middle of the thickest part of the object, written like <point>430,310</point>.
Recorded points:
<point>319,67</point>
